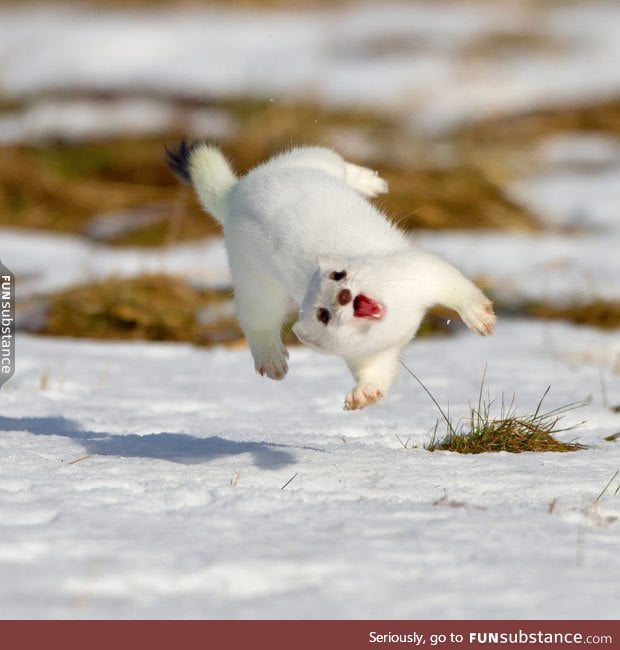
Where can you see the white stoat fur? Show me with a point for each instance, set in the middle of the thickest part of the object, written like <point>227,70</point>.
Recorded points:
<point>299,227</point>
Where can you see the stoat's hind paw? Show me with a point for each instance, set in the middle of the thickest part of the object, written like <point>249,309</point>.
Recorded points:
<point>361,397</point>
<point>479,316</point>
<point>272,363</point>
<point>366,181</point>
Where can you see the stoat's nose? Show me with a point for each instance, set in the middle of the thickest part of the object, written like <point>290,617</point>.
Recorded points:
<point>344,297</point>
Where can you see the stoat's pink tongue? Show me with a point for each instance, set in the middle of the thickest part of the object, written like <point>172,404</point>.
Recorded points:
<point>365,307</point>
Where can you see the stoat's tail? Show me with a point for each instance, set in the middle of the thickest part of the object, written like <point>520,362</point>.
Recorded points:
<point>205,167</point>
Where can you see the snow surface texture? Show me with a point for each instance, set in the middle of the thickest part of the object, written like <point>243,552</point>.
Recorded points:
<point>147,480</point>
<point>158,480</point>
<point>426,61</point>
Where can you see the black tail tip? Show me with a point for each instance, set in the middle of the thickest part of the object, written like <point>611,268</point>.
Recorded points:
<point>178,159</point>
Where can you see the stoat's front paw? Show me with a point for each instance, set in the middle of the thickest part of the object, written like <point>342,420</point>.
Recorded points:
<point>273,365</point>
<point>362,396</point>
<point>479,316</point>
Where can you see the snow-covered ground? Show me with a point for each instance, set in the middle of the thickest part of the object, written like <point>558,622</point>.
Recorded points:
<point>77,119</point>
<point>161,480</point>
<point>147,480</point>
<point>44,262</point>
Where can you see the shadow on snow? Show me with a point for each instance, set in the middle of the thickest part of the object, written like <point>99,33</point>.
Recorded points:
<point>174,447</point>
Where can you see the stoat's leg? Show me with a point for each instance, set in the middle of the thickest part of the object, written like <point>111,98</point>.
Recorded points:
<point>364,180</point>
<point>374,375</point>
<point>262,306</point>
<point>269,353</point>
<point>443,284</point>
<point>474,308</point>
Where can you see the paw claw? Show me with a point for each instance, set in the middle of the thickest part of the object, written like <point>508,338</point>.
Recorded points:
<point>361,397</point>
<point>274,368</point>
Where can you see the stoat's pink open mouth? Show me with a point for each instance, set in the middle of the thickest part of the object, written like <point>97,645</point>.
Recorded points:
<point>365,307</point>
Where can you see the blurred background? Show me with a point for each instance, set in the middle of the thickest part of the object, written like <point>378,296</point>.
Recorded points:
<point>496,124</point>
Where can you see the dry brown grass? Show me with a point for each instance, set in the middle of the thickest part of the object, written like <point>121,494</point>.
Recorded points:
<point>265,128</point>
<point>526,128</point>
<point>479,432</point>
<point>61,187</point>
<point>598,313</point>
<point>457,197</point>
<point>502,147</point>
<point>513,434</point>
<point>494,44</point>
<point>150,307</point>
<point>422,195</point>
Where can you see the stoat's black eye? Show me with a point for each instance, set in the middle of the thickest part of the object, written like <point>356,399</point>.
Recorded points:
<point>337,275</point>
<point>323,315</point>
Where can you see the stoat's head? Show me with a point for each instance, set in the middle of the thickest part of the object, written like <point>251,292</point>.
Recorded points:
<point>340,311</point>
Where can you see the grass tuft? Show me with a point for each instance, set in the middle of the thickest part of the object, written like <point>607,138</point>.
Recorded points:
<point>62,187</point>
<point>149,307</point>
<point>597,313</point>
<point>463,196</point>
<point>479,432</point>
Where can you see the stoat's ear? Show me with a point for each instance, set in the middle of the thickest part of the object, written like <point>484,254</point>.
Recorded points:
<point>331,262</point>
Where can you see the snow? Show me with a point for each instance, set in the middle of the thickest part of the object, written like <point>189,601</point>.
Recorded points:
<point>574,199</point>
<point>83,119</point>
<point>420,60</point>
<point>44,262</point>
<point>554,268</point>
<point>147,480</point>
<point>580,149</point>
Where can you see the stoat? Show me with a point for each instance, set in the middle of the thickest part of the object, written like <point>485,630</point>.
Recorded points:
<point>299,226</point>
